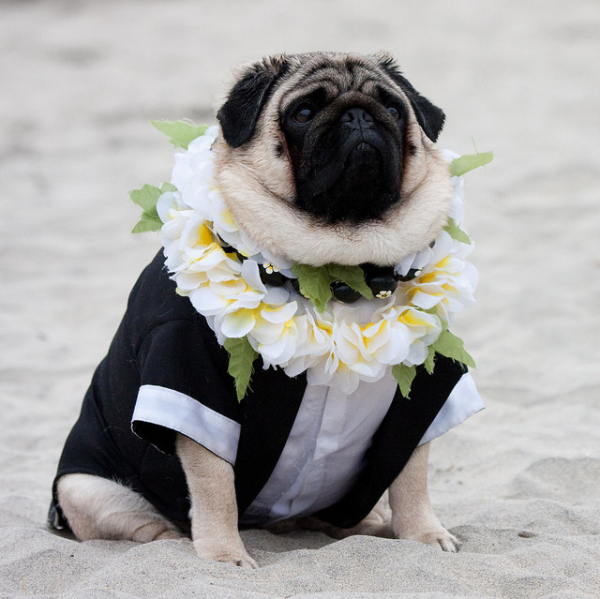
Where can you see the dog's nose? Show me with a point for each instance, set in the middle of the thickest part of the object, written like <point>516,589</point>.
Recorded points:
<point>357,118</point>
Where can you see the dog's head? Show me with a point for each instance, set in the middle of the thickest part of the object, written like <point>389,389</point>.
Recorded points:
<point>330,157</point>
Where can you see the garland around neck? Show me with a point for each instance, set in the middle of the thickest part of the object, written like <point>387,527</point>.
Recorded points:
<point>218,267</point>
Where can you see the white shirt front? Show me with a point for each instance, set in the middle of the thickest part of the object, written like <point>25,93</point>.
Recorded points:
<point>331,434</point>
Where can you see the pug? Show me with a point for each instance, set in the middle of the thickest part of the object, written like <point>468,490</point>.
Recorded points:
<point>320,158</point>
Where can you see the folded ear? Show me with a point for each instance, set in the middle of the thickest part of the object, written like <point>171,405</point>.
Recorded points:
<point>430,117</point>
<point>239,115</point>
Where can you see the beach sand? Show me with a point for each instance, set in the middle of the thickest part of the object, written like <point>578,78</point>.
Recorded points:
<point>519,483</point>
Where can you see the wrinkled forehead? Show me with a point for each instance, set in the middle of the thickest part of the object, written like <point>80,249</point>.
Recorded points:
<point>335,75</point>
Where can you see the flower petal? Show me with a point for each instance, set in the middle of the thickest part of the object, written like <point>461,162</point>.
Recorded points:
<point>207,302</point>
<point>238,324</point>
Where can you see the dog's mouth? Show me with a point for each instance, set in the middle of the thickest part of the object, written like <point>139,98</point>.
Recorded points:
<point>357,182</point>
<point>348,169</point>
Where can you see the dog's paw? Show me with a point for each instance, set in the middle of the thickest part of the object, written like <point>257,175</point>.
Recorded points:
<point>440,538</point>
<point>426,529</point>
<point>227,553</point>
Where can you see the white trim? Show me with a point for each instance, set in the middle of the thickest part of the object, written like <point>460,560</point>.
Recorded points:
<point>184,414</point>
<point>463,401</point>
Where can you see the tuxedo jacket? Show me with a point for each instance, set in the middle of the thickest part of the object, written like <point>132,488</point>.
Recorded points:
<point>165,373</point>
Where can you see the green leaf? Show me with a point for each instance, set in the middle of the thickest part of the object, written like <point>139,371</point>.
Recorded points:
<point>167,187</point>
<point>451,346</point>
<point>147,223</point>
<point>241,360</point>
<point>430,360</point>
<point>353,276</point>
<point>181,133</point>
<point>466,163</point>
<point>314,283</point>
<point>456,232</point>
<point>146,198</point>
<point>404,376</point>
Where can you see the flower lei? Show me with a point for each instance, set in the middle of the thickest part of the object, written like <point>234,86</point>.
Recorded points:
<point>218,267</point>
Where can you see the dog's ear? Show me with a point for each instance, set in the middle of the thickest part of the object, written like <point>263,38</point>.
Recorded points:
<point>239,115</point>
<point>430,117</point>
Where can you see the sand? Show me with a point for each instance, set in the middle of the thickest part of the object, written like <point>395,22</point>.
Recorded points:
<point>519,483</point>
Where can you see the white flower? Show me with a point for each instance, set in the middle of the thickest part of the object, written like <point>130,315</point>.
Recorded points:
<point>457,208</point>
<point>312,343</point>
<point>447,282</point>
<point>269,268</point>
<point>387,340</point>
<point>414,261</point>
<point>424,329</point>
<point>226,227</point>
<point>276,333</point>
<point>238,323</point>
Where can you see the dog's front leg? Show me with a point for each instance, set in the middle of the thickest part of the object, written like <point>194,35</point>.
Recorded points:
<point>214,514</point>
<point>412,513</point>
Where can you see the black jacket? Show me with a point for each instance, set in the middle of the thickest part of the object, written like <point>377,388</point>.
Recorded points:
<point>163,341</point>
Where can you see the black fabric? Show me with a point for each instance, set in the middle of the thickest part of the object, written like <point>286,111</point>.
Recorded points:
<point>163,341</point>
<point>275,399</point>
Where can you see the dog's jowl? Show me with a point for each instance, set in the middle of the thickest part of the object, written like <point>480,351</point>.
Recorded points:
<point>285,359</point>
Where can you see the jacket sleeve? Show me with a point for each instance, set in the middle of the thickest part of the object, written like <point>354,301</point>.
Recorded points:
<point>185,388</point>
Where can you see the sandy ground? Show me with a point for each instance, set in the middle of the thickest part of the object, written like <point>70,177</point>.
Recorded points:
<point>519,484</point>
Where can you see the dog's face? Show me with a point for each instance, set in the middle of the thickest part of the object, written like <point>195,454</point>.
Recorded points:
<point>330,158</point>
<point>345,142</point>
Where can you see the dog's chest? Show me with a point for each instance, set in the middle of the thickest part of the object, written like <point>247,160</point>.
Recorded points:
<point>324,452</point>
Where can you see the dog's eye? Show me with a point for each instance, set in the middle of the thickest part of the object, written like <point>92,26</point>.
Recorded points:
<point>394,112</point>
<point>304,113</point>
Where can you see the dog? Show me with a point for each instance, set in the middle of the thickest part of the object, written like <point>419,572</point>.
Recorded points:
<point>320,158</point>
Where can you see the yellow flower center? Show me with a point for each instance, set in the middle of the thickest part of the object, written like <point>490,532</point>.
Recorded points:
<point>205,236</point>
